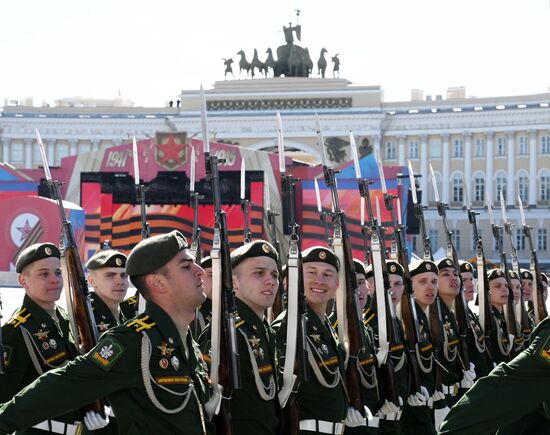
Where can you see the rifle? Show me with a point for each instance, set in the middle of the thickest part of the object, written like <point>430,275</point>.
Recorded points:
<point>521,311</point>
<point>409,316</point>
<point>225,367</point>
<point>76,287</point>
<point>322,214</point>
<point>509,310</point>
<point>538,305</point>
<point>460,306</point>
<point>245,205</point>
<point>194,197</point>
<point>296,366</point>
<point>140,194</point>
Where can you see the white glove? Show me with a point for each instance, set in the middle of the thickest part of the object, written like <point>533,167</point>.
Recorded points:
<point>355,419</point>
<point>439,416</point>
<point>212,407</point>
<point>468,377</point>
<point>94,421</point>
<point>438,395</point>
<point>389,408</point>
<point>419,399</point>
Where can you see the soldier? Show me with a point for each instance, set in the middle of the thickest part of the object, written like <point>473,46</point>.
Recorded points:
<point>500,341</point>
<point>149,369</point>
<point>37,337</point>
<point>323,405</point>
<point>254,408</point>
<point>204,312</point>
<point>107,276</point>
<point>493,402</point>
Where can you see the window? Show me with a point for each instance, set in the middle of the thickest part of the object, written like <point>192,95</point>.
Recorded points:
<point>523,187</point>
<point>84,148</point>
<point>390,151</point>
<point>501,147</point>
<point>541,239</point>
<point>36,156</point>
<point>480,147</point>
<point>544,191</point>
<point>479,188</point>
<point>435,149</point>
<point>500,186</point>
<point>520,240</point>
<point>456,239</point>
<point>458,148</point>
<point>523,146</point>
<point>434,239</point>
<point>413,149</point>
<point>458,192</point>
<point>17,152</point>
<point>545,142</point>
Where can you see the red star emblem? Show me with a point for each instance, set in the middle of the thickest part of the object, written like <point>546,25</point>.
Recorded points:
<point>25,231</point>
<point>171,154</point>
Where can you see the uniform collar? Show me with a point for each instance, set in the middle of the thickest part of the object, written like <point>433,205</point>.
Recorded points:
<point>248,315</point>
<point>101,308</point>
<point>164,323</point>
<point>40,314</point>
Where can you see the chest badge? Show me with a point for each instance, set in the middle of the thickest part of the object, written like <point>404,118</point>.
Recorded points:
<point>42,335</point>
<point>103,326</point>
<point>163,363</point>
<point>165,350</point>
<point>254,342</point>
<point>175,362</point>
<point>53,343</point>
<point>315,337</point>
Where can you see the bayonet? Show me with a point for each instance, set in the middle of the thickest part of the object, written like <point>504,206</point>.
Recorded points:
<point>245,205</point>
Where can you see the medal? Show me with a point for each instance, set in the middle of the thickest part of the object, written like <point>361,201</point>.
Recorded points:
<point>45,345</point>
<point>261,353</point>
<point>324,348</point>
<point>163,363</point>
<point>41,335</point>
<point>175,363</point>
<point>53,343</point>
<point>315,337</point>
<point>254,342</point>
<point>165,350</point>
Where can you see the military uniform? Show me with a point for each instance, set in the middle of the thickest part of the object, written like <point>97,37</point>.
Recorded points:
<point>104,317</point>
<point>204,312</point>
<point>129,306</point>
<point>512,390</point>
<point>477,347</point>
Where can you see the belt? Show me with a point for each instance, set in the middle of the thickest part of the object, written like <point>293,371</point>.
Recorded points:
<point>322,426</point>
<point>373,422</point>
<point>59,427</point>
<point>450,389</point>
<point>394,416</point>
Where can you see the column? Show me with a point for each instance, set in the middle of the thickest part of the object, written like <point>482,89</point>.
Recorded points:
<point>424,171</point>
<point>6,143</point>
<point>532,168</point>
<point>50,144</point>
<point>401,151</point>
<point>489,171</point>
<point>445,168</point>
<point>468,164</point>
<point>510,179</point>
<point>377,142</point>
<point>73,146</point>
<point>27,145</point>
<point>95,144</point>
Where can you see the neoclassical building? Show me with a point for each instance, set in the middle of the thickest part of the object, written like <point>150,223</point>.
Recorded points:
<point>483,145</point>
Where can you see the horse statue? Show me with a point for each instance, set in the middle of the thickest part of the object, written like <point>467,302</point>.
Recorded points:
<point>291,59</point>
<point>336,66</point>
<point>228,67</point>
<point>243,63</point>
<point>257,63</point>
<point>322,63</point>
<point>269,61</point>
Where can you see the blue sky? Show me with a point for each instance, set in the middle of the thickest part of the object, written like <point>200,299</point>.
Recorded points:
<point>149,51</point>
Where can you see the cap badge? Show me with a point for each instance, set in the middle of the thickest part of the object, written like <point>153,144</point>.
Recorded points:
<point>322,255</point>
<point>428,266</point>
<point>393,268</point>
<point>48,250</point>
<point>265,248</point>
<point>499,272</point>
<point>118,262</point>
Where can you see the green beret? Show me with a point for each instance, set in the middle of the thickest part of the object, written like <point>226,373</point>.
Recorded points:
<point>512,275</point>
<point>495,273</point>
<point>395,268</point>
<point>206,262</point>
<point>445,263</point>
<point>465,266</point>
<point>370,271</point>
<point>36,252</point>
<point>544,278</point>
<point>359,267</point>
<point>257,248</point>
<point>320,254</point>
<point>526,274</point>
<point>420,266</point>
<point>109,258</point>
<point>153,253</point>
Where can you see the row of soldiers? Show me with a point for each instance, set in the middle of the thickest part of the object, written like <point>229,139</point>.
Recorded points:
<point>151,368</point>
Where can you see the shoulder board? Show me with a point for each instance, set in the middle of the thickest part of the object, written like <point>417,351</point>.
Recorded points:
<point>239,322</point>
<point>132,300</point>
<point>368,315</point>
<point>19,318</point>
<point>141,323</point>
<point>335,324</point>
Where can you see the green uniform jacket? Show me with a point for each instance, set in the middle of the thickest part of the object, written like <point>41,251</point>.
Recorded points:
<point>204,314</point>
<point>129,306</point>
<point>477,347</point>
<point>118,369</point>
<point>104,318</point>
<point>508,393</point>
<point>448,356</point>
<point>499,339</point>
<point>250,412</point>
<point>315,401</point>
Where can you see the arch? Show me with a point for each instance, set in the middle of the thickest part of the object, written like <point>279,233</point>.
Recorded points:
<point>501,182</point>
<point>457,187</point>
<point>314,151</point>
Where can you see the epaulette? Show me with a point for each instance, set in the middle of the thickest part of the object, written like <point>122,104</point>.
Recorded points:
<point>140,323</point>
<point>239,322</point>
<point>132,300</point>
<point>19,318</point>
<point>368,315</point>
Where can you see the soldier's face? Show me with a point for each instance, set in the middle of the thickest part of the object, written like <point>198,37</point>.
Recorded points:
<point>183,281</point>
<point>42,281</point>
<point>207,278</point>
<point>448,282</point>
<point>256,281</point>
<point>362,289</point>
<point>516,288</point>
<point>320,282</point>
<point>468,283</point>
<point>527,289</point>
<point>425,288</point>
<point>396,288</point>
<point>110,283</point>
<point>499,292</point>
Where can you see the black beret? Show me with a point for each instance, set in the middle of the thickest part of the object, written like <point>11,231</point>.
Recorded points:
<point>370,271</point>
<point>420,266</point>
<point>109,258</point>
<point>359,267</point>
<point>257,248</point>
<point>544,277</point>
<point>36,252</point>
<point>465,266</point>
<point>395,268</point>
<point>526,274</point>
<point>512,275</point>
<point>320,254</point>
<point>495,273</point>
<point>206,262</point>
<point>153,253</point>
<point>445,263</point>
